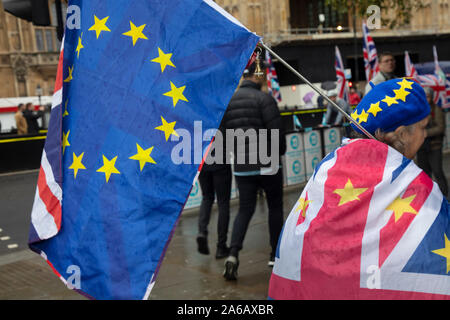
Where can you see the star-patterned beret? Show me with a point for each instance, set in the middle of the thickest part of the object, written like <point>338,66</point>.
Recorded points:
<point>391,104</point>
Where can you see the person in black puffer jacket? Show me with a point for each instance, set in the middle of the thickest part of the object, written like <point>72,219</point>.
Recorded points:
<point>255,121</point>
<point>215,181</point>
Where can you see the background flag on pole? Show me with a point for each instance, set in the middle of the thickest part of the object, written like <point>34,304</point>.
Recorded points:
<point>442,80</point>
<point>370,54</point>
<point>437,81</point>
<point>272,79</point>
<point>342,84</point>
<point>409,67</point>
<point>133,76</point>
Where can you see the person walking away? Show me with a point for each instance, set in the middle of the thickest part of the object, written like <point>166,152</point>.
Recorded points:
<point>252,111</point>
<point>215,180</point>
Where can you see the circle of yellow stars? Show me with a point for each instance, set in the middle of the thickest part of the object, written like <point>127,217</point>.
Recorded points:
<point>176,93</point>
<point>375,108</point>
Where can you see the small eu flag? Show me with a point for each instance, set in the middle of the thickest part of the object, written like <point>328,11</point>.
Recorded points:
<point>131,74</point>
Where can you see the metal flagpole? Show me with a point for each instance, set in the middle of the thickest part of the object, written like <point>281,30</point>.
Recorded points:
<point>318,91</point>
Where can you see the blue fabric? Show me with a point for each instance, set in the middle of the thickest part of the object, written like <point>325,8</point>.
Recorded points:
<point>116,230</point>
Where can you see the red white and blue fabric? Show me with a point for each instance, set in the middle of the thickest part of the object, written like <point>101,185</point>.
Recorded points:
<point>442,96</point>
<point>439,88</point>
<point>46,212</point>
<point>116,231</point>
<point>272,80</point>
<point>437,81</point>
<point>342,84</point>
<point>368,225</point>
<point>410,70</point>
<point>371,65</point>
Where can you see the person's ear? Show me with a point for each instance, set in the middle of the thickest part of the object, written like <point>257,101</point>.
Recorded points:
<point>400,132</point>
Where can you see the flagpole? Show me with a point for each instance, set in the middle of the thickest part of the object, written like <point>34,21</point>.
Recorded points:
<point>318,91</point>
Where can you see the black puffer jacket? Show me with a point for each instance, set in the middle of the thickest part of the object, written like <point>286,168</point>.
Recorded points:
<point>250,108</point>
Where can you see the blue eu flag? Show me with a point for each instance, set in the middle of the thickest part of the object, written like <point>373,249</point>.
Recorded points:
<point>134,72</point>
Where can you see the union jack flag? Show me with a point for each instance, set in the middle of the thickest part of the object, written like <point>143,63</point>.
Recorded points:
<point>437,81</point>
<point>410,70</point>
<point>442,95</point>
<point>272,79</point>
<point>370,54</point>
<point>374,228</point>
<point>342,84</point>
<point>434,82</point>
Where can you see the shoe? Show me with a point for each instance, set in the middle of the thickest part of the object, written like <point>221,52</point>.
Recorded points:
<point>222,252</point>
<point>271,262</point>
<point>231,266</point>
<point>202,245</point>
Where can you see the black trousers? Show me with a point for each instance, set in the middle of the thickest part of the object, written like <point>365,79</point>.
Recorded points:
<point>215,183</point>
<point>430,161</point>
<point>248,187</point>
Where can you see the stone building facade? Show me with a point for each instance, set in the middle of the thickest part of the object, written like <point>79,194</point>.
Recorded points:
<point>28,55</point>
<point>304,33</point>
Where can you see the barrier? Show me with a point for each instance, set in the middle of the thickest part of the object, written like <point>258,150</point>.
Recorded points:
<point>294,159</point>
<point>313,150</point>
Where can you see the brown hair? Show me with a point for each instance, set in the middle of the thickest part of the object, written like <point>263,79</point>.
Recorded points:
<point>392,138</point>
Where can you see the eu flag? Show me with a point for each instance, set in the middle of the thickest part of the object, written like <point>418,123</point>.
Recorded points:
<point>131,74</point>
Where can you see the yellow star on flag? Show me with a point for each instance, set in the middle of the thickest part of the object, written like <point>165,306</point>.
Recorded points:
<point>108,167</point>
<point>77,164</point>
<point>176,94</point>
<point>349,193</point>
<point>69,77</point>
<point>143,156</point>
<point>401,94</point>
<point>167,128</point>
<point>400,206</point>
<point>79,46</point>
<point>164,60</point>
<point>303,205</point>
<point>135,33</point>
<point>374,108</point>
<point>65,109</point>
<point>65,142</point>
<point>390,100</point>
<point>405,84</point>
<point>99,26</point>
<point>445,252</point>
<point>363,116</point>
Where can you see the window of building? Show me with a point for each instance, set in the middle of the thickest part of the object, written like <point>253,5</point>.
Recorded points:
<point>40,46</point>
<point>304,14</point>
<point>45,39</point>
<point>49,39</point>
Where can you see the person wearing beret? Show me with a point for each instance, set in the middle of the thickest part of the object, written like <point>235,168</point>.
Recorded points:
<point>369,224</point>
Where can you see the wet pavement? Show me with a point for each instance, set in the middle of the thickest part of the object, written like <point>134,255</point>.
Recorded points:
<point>184,274</point>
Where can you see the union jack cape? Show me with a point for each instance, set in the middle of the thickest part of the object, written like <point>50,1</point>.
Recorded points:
<point>375,227</point>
